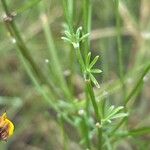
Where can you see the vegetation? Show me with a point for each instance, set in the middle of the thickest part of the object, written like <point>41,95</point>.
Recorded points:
<point>53,85</point>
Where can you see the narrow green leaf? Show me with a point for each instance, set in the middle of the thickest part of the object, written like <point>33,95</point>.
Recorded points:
<point>119,115</point>
<point>110,109</point>
<point>94,81</point>
<point>68,35</point>
<point>78,32</point>
<point>88,58</point>
<point>93,62</point>
<point>84,36</point>
<point>66,39</point>
<point>115,111</point>
<point>96,71</point>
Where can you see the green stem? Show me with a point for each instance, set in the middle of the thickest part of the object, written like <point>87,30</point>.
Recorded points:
<point>5,7</point>
<point>119,41</point>
<point>69,7</point>
<point>21,45</point>
<point>95,106</point>
<point>120,49</point>
<point>87,101</point>
<point>131,94</point>
<point>49,98</point>
<point>91,95</point>
<point>80,59</point>
<point>85,131</point>
<point>64,135</point>
<point>87,6</point>
<point>53,53</point>
<point>68,12</point>
<point>140,81</point>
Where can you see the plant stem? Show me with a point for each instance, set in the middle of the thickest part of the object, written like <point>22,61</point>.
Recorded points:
<point>140,81</point>
<point>68,12</point>
<point>119,46</point>
<point>131,94</point>
<point>87,7</point>
<point>87,27</point>
<point>90,92</point>
<point>85,131</point>
<point>69,7</point>
<point>87,101</point>
<point>53,53</point>
<point>80,59</point>
<point>64,135</point>
<point>11,26</point>
<point>93,100</point>
<point>49,98</point>
<point>95,106</point>
<point>119,42</point>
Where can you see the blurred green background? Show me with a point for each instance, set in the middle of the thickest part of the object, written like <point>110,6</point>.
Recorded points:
<point>35,123</point>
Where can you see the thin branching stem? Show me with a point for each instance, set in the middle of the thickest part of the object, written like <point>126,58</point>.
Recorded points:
<point>119,41</point>
<point>96,110</point>
<point>11,26</point>
<point>87,7</point>
<point>119,47</point>
<point>68,14</point>
<point>131,94</point>
<point>68,7</point>
<point>92,96</point>
<point>53,53</point>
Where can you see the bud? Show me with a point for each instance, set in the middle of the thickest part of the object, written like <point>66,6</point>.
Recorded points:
<point>98,125</point>
<point>81,112</point>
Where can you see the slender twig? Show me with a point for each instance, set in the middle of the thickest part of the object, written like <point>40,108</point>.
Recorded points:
<point>53,54</point>
<point>120,49</point>
<point>13,30</point>
<point>119,41</point>
<point>131,94</point>
<point>87,7</point>
<point>95,106</point>
<point>68,7</point>
<point>91,94</point>
<point>68,14</point>
<point>85,131</point>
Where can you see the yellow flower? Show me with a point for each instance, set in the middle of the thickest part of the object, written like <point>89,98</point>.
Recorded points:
<point>6,127</point>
